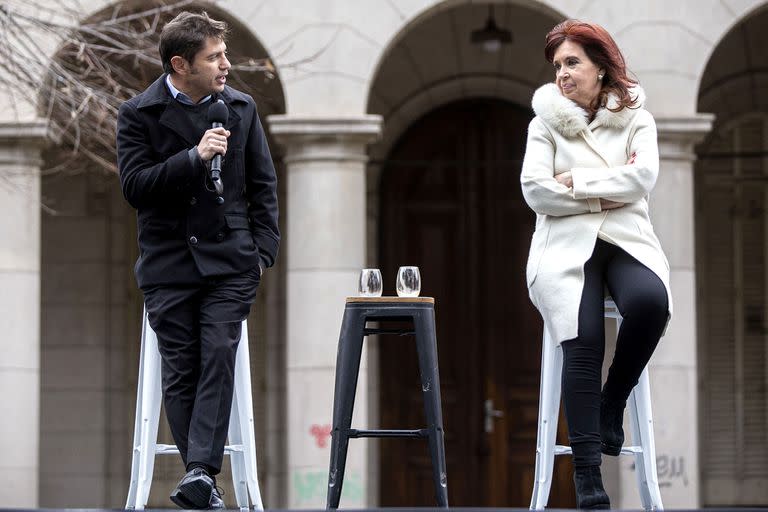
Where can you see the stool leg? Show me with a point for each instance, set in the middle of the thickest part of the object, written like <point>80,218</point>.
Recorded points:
<point>426,345</point>
<point>137,427</point>
<point>347,368</point>
<point>147,418</point>
<point>241,430</point>
<point>641,423</point>
<point>236,455</point>
<point>549,409</point>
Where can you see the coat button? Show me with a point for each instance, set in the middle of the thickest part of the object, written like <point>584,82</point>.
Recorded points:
<point>193,240</point>
<point>193,201</point>
<point>220,200</point>
<point>219,236</point>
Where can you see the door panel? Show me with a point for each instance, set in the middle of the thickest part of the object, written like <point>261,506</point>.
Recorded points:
<point>451,204</point>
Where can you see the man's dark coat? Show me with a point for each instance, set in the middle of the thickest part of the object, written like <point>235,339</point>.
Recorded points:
<point>186,233</point>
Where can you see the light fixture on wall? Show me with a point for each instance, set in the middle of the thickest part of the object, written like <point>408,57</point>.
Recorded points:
<point>491,37</point>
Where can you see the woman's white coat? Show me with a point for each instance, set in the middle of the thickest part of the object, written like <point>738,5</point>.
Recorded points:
<point>568,220</point>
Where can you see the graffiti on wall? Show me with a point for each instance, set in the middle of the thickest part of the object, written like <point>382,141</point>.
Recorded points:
<point>321,433</point>
<point>310,488</point>
<point>671,470</point>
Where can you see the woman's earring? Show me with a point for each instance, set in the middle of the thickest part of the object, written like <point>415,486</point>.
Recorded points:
<point>599,77</point>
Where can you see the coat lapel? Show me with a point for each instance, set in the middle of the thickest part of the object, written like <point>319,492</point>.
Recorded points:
<point>592,143</point>
<point>175,119</point>
<point>233,119</point>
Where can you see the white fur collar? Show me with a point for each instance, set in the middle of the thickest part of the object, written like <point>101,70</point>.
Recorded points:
<point>568,118</point>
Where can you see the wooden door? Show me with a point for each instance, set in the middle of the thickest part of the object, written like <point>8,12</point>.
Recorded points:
<point>451,204</point>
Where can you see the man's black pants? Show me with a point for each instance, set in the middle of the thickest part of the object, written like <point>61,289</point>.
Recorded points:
<point>198,330</point>
<point>641,298</point>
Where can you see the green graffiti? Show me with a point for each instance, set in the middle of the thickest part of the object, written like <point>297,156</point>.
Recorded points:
<point>352,491</point>
<point>310,487</point>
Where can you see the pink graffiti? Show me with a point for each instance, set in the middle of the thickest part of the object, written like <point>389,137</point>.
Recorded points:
<point>321,433</point>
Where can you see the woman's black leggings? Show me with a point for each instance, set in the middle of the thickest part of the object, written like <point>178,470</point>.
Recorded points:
<point>642,301</point>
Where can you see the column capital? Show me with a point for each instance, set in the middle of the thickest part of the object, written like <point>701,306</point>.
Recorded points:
<point>21,141</point>
<point>34,131</point>
<point>325,138</point>
<point>679,134</point>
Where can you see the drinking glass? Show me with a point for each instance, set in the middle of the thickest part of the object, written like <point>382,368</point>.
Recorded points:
<point>370,283</point>
<point>408,282</point>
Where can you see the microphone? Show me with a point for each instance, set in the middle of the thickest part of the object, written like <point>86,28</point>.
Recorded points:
<point>218,114</point>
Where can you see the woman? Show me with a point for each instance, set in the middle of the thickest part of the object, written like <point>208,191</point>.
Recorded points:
<point>590,162</point>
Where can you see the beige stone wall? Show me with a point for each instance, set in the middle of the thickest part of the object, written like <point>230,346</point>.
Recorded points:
<point>90,334</point>
<point>20,145</point>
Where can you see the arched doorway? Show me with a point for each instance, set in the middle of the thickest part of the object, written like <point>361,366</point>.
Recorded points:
<point>451,203</point>
<point>445,195</point>
<point>731,192</point>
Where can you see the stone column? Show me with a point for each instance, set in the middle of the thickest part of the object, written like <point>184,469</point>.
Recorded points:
<point>20,145</point>
<point>673,368</point>
<point>324,248</point>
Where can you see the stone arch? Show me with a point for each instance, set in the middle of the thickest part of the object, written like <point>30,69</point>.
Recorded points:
<point>730,192</point>
<point>449,86</point>
<point>736,63</point>
<point>727,31</point>
<point>113,74</point>
<point>414,101</point>
<point>91,306</point>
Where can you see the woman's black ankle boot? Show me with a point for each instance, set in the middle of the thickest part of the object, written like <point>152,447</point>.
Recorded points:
<point>611,426</point>
<point>590,493</point>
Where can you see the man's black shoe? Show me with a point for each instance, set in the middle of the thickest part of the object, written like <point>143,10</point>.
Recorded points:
<point>216,502</point>
<point>194,490</point>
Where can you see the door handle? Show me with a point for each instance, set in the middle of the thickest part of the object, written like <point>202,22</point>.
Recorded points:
<point>490,414</point>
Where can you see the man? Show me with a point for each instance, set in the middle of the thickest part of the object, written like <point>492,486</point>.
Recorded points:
<point>201,254</point>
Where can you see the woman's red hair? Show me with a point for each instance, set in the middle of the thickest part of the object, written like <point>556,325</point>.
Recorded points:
<point>603,51</point>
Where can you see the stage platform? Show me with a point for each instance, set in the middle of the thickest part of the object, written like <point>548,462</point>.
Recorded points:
<point>398,509</point>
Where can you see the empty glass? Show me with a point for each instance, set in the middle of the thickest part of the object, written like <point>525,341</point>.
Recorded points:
<point>370,284</point>
<point>408,282</point>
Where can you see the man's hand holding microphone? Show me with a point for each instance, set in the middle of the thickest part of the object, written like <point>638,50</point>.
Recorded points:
<point>214,142</point>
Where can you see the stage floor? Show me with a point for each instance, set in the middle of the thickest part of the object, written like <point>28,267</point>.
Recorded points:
<point>399,509</point>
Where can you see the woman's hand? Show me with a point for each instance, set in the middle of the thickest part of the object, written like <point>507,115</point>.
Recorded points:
<point>565,178</point>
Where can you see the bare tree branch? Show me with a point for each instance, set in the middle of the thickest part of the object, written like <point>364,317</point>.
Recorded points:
<point>98,64</point>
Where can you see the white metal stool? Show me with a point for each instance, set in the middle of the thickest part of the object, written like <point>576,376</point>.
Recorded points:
<point>242,443</point>
<point>641,424</point>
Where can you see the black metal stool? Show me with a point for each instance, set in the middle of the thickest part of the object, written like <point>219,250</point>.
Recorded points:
<point>359,310</point>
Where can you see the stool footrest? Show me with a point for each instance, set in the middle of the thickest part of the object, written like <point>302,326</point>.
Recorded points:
<point>355,433</point>
<point>170,449</point>
<point>368,331</point>
<point>166,449</point>
<point>626,450</point>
